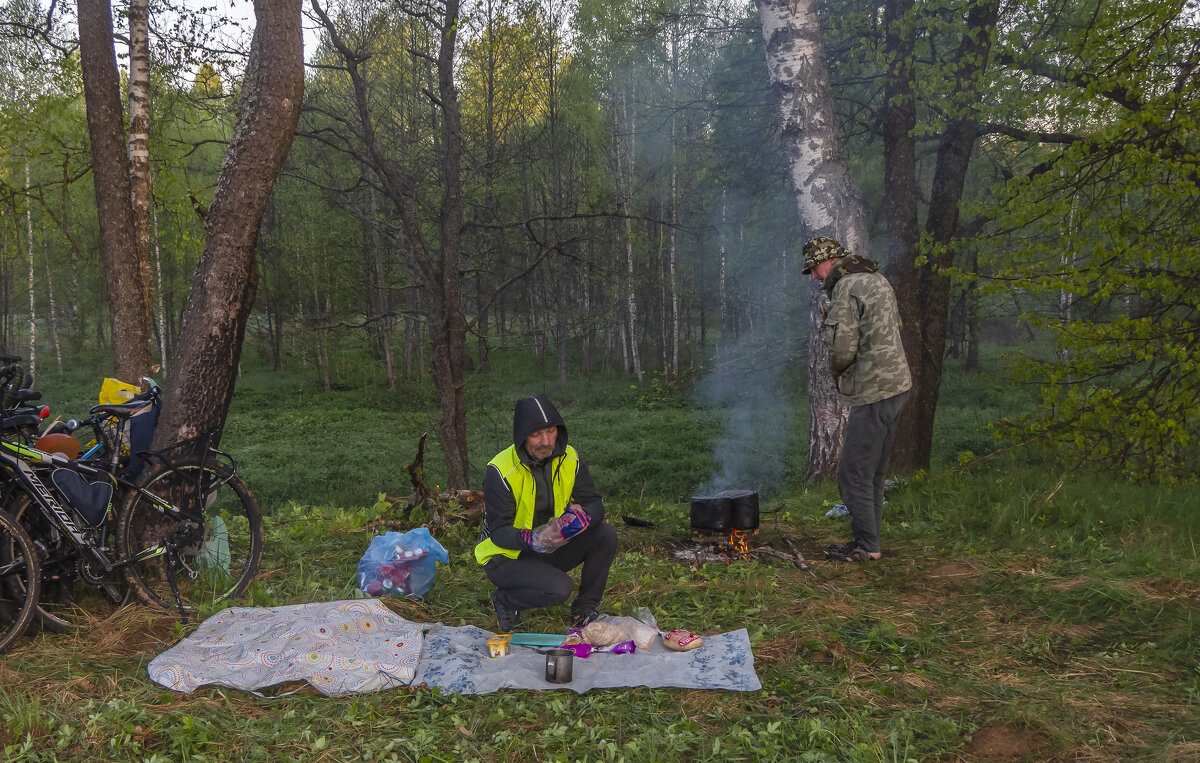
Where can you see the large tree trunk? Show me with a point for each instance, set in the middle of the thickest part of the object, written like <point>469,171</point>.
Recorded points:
<point>900,196</point>
<point>450,339</point>
<point>205,364</point>
<point>914,434</point>
<point>827,200</point>
<point>128,316</point>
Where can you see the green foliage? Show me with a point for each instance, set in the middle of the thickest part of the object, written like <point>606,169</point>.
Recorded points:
<point>1109,246</point>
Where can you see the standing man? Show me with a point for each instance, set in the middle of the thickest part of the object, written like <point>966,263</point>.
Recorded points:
<point>866,356</point>
<point>543,517</point>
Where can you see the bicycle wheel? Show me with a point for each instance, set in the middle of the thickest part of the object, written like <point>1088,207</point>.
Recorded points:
<point>20,580</point>
<point>196,522</point>
<point>74,592</point>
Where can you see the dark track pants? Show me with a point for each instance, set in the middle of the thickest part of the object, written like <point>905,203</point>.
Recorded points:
<point>862,468</point>
<point>535,580</point>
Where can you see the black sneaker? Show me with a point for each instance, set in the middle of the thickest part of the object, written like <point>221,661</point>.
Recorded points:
<point>580,619</point>
<point>508,618</point>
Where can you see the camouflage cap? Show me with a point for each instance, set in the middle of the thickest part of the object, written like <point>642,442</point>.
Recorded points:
<point>820,249</point>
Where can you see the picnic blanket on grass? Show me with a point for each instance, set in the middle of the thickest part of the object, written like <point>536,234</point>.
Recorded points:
<point>340,647</point>
<point>456,660</point>
<point>359,646</point>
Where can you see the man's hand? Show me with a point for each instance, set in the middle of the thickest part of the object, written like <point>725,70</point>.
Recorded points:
<point>554,534</point>
<point>573,521</point>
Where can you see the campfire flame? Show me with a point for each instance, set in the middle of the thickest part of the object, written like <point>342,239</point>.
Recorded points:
<point>739,543</point>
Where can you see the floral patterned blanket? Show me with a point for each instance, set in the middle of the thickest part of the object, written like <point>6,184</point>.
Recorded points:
<point>340,647</point>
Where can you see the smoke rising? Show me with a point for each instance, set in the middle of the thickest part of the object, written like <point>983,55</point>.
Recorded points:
<point>753,385</point>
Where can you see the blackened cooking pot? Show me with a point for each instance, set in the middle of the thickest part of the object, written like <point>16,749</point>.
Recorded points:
<point>736,509</point>
<point>711,513</point>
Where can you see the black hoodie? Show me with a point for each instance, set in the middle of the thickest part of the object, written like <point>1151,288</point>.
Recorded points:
<point>531,415</point>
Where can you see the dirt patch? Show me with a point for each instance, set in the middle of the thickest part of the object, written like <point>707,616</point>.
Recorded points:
<point>1184,752</point>
<point>1165,588</point>
<point>950,571</point>
<point>696,704</point>
<point>780,649</point>
<point>1073,632</point>
<point>1070,584</point>
<point>1006,742</point>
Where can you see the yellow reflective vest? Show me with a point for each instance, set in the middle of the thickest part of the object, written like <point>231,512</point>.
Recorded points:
<point>520,481</point>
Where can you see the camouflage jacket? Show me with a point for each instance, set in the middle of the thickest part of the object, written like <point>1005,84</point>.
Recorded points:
<point>862,329</point>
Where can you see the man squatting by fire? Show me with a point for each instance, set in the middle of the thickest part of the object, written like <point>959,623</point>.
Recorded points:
<point>862,329</point>
<point>543,518</point>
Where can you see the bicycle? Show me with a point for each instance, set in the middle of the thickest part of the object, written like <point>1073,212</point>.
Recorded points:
<point>74,592</point>
<point>20,581</point>
<point>189,531</point>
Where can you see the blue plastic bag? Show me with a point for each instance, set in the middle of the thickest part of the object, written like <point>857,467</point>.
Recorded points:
<point>401,564</point>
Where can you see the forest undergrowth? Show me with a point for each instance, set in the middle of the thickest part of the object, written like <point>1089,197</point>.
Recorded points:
<point>1022,611</point>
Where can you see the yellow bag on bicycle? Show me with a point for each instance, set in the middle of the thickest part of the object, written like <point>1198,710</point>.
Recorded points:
<point>114,391</point>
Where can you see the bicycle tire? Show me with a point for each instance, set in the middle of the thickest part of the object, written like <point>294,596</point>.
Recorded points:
<point>20,580</point>
<point>67,600</point>
<point>214,565</point>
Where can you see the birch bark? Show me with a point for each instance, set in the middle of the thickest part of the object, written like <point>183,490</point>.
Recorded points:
<point>630,292</point>
<point>31,361</point>
<point>110,178</point>
<point>826,197</point>
<point>141,189</point>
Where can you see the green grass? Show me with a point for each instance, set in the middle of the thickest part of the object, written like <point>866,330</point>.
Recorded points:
<point>1020,613</point>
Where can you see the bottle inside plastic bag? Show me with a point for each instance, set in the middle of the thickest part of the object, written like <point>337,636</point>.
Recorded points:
<point>401,564</point>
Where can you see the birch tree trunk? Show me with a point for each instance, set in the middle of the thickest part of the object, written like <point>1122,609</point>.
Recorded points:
<point>158,294</point>
<point>31,361</point>
<point>827,200</point>
<point>141,189</point>
<point>110,177</point>
<point>630,294</point>
<point>52,312</point>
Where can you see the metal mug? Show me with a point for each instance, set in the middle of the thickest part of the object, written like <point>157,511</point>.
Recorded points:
<point>558,665</point>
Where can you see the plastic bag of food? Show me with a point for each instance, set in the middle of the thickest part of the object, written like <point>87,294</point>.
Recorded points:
<point>607,629</point>
<point>401,564</point>
<point>679,640</point>
<point>682,641</point>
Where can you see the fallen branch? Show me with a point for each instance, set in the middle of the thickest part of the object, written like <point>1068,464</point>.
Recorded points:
<point>799,560</point>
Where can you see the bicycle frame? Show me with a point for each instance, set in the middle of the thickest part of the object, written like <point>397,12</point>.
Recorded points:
<point>17,460</point>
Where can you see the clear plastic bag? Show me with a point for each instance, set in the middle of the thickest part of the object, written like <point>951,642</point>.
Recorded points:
<point>401,564</point>
<point>606,630</point>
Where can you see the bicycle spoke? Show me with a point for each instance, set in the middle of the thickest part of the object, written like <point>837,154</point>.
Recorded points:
<point>205,546</point>
<point>20,580</point>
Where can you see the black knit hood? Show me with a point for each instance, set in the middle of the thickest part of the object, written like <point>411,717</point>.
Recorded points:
<point>534,413</point>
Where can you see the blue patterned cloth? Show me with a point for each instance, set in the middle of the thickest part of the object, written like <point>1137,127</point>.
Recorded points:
<point>457,660</point>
